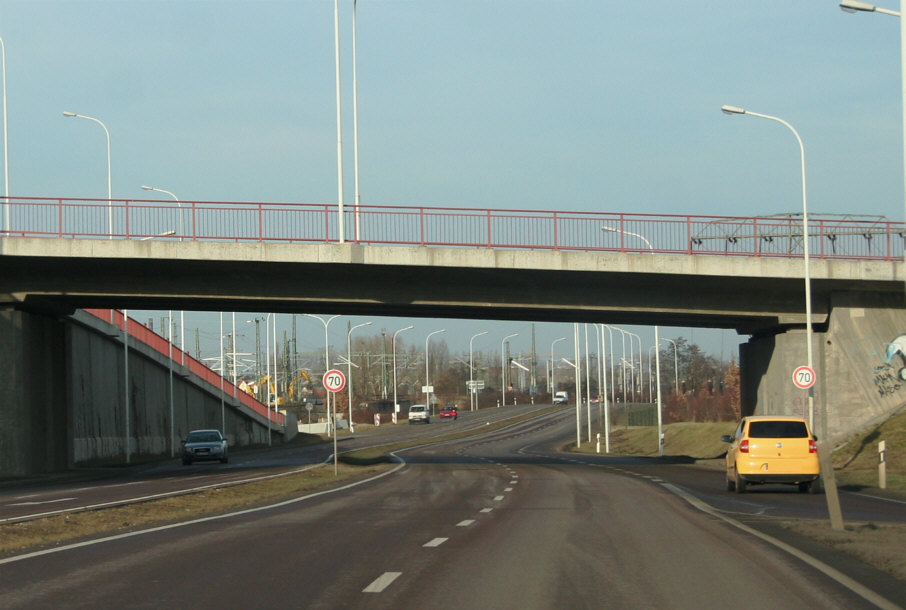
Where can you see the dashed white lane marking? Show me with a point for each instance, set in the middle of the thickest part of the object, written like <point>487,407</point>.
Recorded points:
<point>512,482</point>
<point>465,523</point>
<point>381,582</point>
<point>436,542</point>
<point>508,489</point>
<point>486,510</point>
<point>498,498</point>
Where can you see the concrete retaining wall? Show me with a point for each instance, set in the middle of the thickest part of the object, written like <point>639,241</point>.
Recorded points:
<point>63,398</point>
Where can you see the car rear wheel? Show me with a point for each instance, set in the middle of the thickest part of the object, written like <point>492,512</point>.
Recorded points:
<point>731,486</point>
<point>740,485</point>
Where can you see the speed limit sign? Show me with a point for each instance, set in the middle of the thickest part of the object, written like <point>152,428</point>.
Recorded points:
<point>804,377</point>
<point>334,380</point>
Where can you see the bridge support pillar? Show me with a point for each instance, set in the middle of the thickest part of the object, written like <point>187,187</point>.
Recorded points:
<point>33,410</point>
<point>859,358</point>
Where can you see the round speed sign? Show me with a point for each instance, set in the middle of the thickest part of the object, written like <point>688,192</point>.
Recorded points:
<point>334,380</point>
<point>804,377</point>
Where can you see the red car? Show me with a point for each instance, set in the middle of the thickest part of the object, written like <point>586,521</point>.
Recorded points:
<point>449,412</point>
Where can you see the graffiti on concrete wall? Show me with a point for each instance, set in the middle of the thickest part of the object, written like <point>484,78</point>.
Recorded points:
<point>890,375</point>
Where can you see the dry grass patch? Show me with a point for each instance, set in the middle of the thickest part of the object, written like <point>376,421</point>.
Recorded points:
<point>70,527</point>
<point>878,545</point>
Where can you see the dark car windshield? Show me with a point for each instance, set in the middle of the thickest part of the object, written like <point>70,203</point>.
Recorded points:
<point>777,429</point>
<point>203,437</point>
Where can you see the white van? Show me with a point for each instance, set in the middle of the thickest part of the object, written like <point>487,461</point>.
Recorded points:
<point>419,413</point>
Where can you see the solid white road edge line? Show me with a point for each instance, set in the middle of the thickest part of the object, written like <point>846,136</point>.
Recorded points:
<point>161,528</point>
<point>841,578</point>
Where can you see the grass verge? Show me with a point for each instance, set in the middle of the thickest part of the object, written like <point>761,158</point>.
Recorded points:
<point>72,527</point>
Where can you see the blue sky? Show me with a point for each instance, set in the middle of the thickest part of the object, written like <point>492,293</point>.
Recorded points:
<point>533,104</point>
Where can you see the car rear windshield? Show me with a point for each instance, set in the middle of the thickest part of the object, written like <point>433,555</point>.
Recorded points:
<point>204,437</point>
<point>417,409</point>
<point>777,429</point>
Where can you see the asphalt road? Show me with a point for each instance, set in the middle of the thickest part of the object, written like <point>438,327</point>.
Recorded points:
<point>494,521</point>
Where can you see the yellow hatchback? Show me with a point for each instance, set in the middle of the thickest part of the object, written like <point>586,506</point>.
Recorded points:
<point>772,449</point>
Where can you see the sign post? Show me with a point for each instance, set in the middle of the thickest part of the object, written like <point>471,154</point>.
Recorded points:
<point>334,381</point>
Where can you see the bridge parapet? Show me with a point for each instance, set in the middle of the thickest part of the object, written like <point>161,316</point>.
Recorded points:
<point>830,237</point>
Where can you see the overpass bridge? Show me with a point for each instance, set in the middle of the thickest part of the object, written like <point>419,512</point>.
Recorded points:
<point>742,273</point>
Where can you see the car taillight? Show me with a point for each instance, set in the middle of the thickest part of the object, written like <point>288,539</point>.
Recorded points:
<point>812,446</point>
<point>744,445</point>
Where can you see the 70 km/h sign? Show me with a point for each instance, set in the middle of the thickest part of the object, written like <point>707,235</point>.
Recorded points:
<point>334,380</point>
<point>804,377</point>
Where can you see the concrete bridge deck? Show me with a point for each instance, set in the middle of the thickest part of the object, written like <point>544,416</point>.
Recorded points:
<point>748,294</point>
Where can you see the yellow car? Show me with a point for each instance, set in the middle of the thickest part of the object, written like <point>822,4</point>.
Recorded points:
<point>772,449</point>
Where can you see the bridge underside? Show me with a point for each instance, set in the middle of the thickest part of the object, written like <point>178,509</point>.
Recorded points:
<point>750,295</point>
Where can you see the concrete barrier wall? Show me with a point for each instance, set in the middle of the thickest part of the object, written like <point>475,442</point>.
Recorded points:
<point>63,398</point>
<point>159,392</point>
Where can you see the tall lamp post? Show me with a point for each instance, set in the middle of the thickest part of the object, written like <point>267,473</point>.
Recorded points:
<point>178,204</point>
<point>657,353</point>
<point>805,249</point>
<point>349,368</point>
<point>396,407</point>
<point>109,180</point>
<point>553,387</point>
<point>852,6</point>
<point>341,228</point>
<point>503,367</point>
<point>473,401</point>
<point>5,139</point>
<point>827,470</point>
<point>427,384</point>
<point>675,367</point>
<point>355,123</point>
<point>330,423</point>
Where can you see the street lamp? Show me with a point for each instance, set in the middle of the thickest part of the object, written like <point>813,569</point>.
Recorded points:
<point>675,367</point>
<point>473,401</point>
<point>178,204</point>
<point>852,6</point>
<point>606,402</point>
<point>428,385</point>
<point>349,368</point>
<point>657,353</point>
<point>326,323</point>
<point>5,139</point>
<point>553,387</point>
<point>355,123</point>
<point>341,228</point>
<point>805,249</point>
<point>396,406</point>
<point>109,181</point>
<point>503,367</point>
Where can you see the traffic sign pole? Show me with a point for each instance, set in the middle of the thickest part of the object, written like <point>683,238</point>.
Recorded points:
<point>334,381</point>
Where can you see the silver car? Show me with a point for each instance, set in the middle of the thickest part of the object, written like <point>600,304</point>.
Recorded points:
<point>204,445</point>
<point>419,413</point>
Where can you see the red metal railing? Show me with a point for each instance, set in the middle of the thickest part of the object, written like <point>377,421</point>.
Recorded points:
<point>871,238</point>
<point>142,333</point>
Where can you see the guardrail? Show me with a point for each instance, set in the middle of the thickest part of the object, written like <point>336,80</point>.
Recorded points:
<point>142,333</point>
<point>829,237</point>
